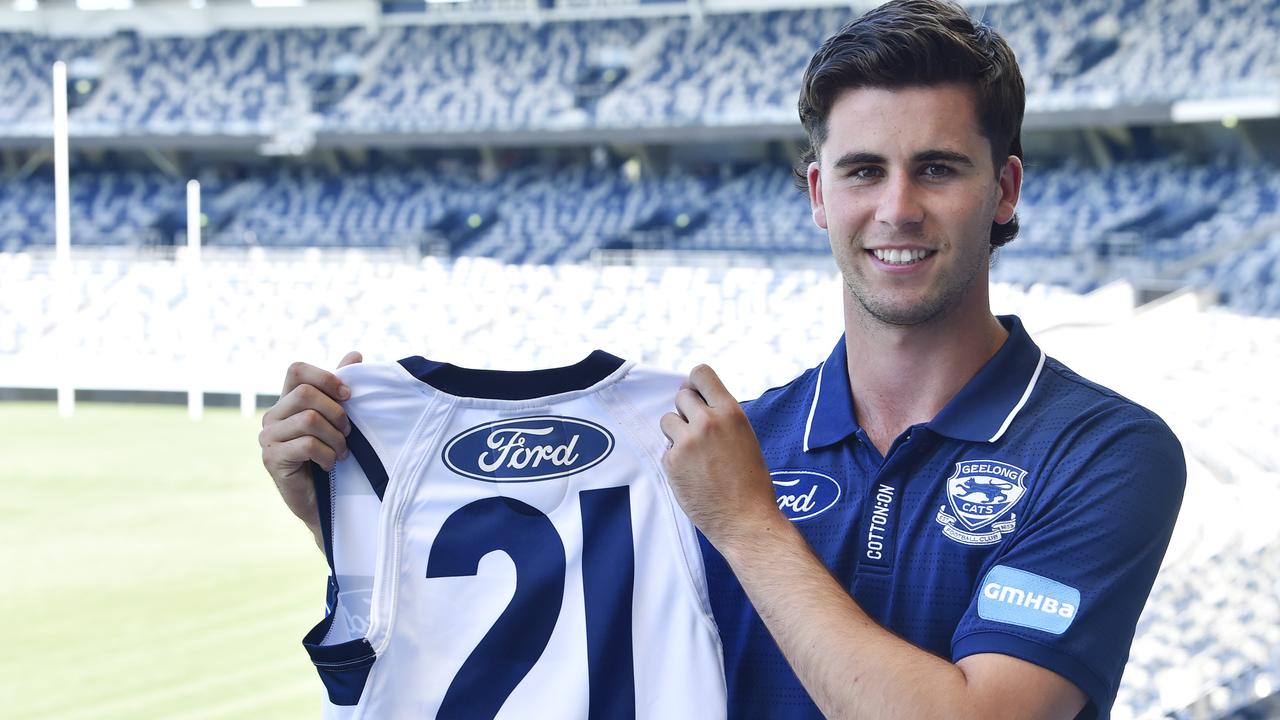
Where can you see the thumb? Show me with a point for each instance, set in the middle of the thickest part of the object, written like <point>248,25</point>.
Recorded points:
<point>351,358</point>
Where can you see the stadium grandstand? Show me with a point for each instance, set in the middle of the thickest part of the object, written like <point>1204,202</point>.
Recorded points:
<point>512,183</point>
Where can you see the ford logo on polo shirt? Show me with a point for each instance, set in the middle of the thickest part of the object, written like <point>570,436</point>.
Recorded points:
<point>528,449</point>
<point>803,494</point>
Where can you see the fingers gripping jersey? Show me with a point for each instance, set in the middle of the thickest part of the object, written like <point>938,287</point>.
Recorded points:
<point>505,545</point>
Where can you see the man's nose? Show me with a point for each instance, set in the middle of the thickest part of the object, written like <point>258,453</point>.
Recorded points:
<point>900,204</point>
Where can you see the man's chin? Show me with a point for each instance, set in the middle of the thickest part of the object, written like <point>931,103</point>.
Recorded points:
<point>903,314</point>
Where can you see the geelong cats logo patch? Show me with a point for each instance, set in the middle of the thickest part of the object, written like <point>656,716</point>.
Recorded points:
<point>980,494</point>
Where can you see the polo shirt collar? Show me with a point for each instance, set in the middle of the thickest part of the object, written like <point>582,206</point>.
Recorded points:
<point>981,412</point>
<point>831,417</point>
<point>985,407</point>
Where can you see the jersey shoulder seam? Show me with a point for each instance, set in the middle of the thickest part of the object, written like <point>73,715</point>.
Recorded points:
<point>1068,375</point>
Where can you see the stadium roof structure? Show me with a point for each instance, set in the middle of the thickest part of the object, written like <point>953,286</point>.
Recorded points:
<point>721,70</point>
<point>169,17</point>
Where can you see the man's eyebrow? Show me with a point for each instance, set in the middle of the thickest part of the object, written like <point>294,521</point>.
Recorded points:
<point>859,158</point>
<point>943,156</point>
<point>869,158</point>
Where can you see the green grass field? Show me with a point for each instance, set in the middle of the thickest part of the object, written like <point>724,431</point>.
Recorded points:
<point>149,569</point>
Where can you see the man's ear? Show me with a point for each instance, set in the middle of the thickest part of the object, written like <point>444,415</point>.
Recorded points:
<point>1010,190</point>
<point>816,205</point>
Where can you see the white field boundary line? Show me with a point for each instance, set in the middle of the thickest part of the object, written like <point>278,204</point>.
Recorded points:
<point>204,631</point>
<point>140,511</point>
<point>231,611</point>
<point>138,662</point>
<point>135,704</point>
<point>308,694</point>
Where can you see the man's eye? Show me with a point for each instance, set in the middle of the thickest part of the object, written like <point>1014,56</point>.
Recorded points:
<point>866,173</point>
<point>936,170</point>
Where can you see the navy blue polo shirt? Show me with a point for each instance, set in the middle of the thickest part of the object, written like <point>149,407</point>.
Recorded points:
<point>1028,518</point>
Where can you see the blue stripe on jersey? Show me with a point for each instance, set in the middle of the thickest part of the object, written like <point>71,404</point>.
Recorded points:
<point>608,577</point>
<point>321,480</point>
<point>368,461</point>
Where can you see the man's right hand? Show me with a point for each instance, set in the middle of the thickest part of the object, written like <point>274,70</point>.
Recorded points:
<point>305,425</point>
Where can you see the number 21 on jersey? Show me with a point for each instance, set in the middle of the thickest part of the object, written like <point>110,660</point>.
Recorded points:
<point>512,646</point>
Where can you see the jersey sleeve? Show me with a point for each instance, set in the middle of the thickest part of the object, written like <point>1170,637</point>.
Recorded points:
<point>1067,591</point>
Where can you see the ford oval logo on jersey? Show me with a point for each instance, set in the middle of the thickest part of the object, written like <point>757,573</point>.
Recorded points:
<point>528,449</point>
<point>803,494</point>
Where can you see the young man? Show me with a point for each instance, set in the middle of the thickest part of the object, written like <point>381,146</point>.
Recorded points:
<point>938,520</point>
<point>997,521</point>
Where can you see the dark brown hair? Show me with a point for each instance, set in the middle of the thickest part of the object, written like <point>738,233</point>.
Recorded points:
<point>906,43</point>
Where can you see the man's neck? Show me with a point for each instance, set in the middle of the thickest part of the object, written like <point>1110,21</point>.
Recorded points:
<point>902,376</point>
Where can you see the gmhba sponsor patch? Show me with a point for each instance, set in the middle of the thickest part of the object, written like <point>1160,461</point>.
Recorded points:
<point>1017,597</point>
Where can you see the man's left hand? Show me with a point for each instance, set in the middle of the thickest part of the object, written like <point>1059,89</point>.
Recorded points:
<point>714,463</point>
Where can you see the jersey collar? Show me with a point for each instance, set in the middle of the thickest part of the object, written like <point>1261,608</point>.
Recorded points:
<point>509,384</point>
<point>981,412</point>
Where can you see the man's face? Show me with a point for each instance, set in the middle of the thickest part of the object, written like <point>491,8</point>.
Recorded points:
<point>905,188</point>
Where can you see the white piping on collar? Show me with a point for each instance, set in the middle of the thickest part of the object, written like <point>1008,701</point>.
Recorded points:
<point>817,388</point>
<point>1023,401</point>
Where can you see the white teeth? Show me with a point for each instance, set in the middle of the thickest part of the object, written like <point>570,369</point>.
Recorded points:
<point>897,256</point>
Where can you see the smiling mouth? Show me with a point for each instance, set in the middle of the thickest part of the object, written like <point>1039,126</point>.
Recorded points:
<point>901,257</point>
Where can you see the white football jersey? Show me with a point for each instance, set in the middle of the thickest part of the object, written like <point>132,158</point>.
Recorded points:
<point>505,545</point>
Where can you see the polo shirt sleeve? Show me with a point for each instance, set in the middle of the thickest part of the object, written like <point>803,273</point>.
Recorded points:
<point>1066,589</point>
